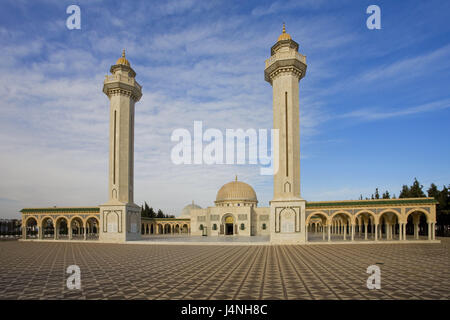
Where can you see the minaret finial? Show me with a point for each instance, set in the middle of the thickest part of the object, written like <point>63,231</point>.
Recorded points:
<point>123,53</point>
<point>284,27</point>
<point>236,177</point>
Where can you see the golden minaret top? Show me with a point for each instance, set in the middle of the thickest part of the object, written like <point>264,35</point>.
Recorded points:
<point>122,60</point>
<point>284,35</point>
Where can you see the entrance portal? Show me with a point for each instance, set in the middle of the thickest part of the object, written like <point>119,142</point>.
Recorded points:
<point>229,225</point>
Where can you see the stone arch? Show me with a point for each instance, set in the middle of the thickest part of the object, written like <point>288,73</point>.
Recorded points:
<point>364,230</point>
<point>48,227</point>
<point>413,210</point>
<point>318,232</point>
<point>389,224</point>
<point>112,222</point>
<point>228,224</point>
<point>287,187</point>
<point>343,213</point>
<point>92,227</point>
<point>343,223</point>
<point>369,214</point>
<point>62,227</point>
<point>317,213</point>
<point>287,220</point>
<point>76,226</point>
<point>228,215</point>
<point>397,214</point>
<point>31,227</point>
<point>417,223</point>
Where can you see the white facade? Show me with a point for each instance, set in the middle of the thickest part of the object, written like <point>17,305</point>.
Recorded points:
<point>235,213</point>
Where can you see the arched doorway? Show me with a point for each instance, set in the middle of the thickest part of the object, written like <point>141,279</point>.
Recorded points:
<point>342,226</point>
<point>77,228</point>
<point>416,225</point>
<point>317,227</point>
<point>92,228</point>
<point>229,225</point>
<point>389,227</point>
<point>287,220</point>
<point>31,228</point>
<point>48,228</point>
<point>365,225</point>
<point>62,229</point>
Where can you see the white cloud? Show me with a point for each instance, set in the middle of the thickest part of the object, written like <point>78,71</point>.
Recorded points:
<point>54,124</point>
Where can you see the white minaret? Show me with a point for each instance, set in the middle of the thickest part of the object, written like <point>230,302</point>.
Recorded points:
<point>120,217</point>
<point>283,71</point>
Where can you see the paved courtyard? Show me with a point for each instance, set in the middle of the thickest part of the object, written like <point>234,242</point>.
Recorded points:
<point>37,270</point>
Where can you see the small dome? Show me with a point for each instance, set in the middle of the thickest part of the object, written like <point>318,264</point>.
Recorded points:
<point>284,35</point>
<point>236,191</point>
<point>122,60</point>
<point>186,212</point>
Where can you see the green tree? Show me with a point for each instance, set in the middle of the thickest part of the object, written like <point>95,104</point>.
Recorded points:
<point>444,199</point>
<point>386,195</point>
<point>405,193</point>
<point>160,214</point>
<point>416,190</point>
<point>433,191</point>
<point>377,194</point>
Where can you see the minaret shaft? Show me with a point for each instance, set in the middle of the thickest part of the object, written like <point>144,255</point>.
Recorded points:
<point>121,159</point>
<point>286,120</point>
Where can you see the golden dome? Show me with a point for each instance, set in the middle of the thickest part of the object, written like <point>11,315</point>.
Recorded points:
<point>122,60</point>
<point>284,35</point>
<point>236,191</point>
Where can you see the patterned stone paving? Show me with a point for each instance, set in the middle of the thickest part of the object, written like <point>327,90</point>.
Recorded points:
<point>36,270</point>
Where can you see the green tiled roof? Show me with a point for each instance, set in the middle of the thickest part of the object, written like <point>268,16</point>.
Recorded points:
<point>370,203</point>
<point>56,209</point>
<point>165,219</point>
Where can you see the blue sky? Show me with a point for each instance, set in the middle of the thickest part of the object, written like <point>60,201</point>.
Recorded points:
<point>375,104</point>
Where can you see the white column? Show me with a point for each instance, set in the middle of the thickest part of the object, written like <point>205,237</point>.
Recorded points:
<point>376,232</point>
<point>434,231</point>
<point>404,231</point>
<point>353,232</point>
<point>429,230</point>
<point>329,233</point>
